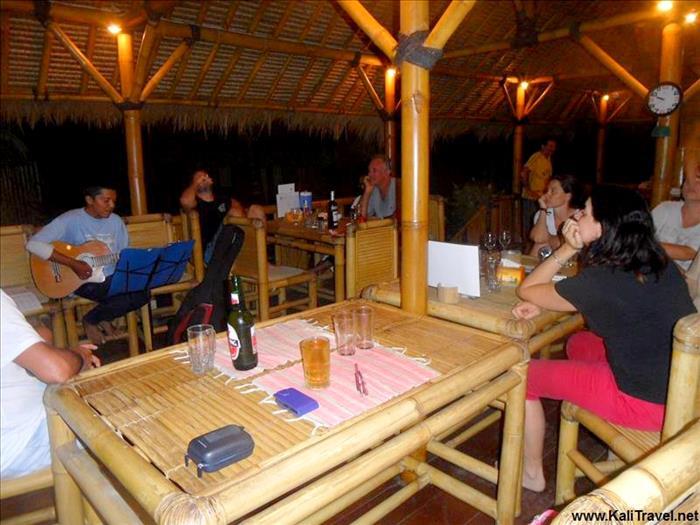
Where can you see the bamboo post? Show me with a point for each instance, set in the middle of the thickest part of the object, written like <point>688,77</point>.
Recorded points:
<point>125,54</point>
<point>390,117</point>
<point>58,326</point>
<point>670,70</point>
<point>415,151</point>
<point>518,136</point>
<point>371,27</point>
<point>600,144</point>
<point>134,156</point>
<point>69,506</point>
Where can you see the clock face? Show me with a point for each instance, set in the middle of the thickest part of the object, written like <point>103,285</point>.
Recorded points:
<point>664,98</point>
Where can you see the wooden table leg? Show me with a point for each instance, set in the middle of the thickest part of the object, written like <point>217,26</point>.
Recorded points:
<point>58,326</point>
<point>339,273</point>
<point>69,501</point>
<point>510,471</point>
<point>71,326</point>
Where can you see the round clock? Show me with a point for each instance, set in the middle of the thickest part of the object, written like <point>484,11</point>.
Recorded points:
<point>664,99</point>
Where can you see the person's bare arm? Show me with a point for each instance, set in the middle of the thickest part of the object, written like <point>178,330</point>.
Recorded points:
<point>539,233</point>
<point>188,199</point>
<point>56,365</point>
<point>679,252</point>
<point>364,201</point>
<point>81,268</point>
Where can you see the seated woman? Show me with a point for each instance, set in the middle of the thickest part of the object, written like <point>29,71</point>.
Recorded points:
<point>563,198</point>
<point>630,296</point>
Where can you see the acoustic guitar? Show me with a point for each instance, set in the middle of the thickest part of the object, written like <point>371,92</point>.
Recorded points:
<point>57,281</point>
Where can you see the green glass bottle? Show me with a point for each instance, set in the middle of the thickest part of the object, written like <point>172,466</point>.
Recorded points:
<point>241,329</point>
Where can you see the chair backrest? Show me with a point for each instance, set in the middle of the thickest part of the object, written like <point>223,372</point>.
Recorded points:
<point>14,258</point>
<point>372,254</point>
<point>683,398</point>
<point>436,218</point>
<point>252,260</point>
<point>149,231</point>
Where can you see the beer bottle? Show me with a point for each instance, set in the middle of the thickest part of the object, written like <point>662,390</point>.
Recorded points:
<point>333,213</point>
<point>241,330</point>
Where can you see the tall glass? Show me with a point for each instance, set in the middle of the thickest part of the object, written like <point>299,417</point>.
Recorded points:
<point>363,318</point>
<point>316,360</point>
<point>345,334</point>
<point>493,259</point>
<point>201,347</point>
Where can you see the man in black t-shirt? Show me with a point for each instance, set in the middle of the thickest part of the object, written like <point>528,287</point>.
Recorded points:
<point>212,210</point>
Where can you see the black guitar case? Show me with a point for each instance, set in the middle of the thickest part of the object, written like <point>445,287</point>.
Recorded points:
<point>212,289</point>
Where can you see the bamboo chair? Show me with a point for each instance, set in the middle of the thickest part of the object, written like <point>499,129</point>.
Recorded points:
<point>371,253</point>
<point>660,482</point>
<point>15,271</point>
<point>436,218</point>
<point>252,265</point>
<point>34,482</point>
<point>682,407</point>
<point>156,229</point>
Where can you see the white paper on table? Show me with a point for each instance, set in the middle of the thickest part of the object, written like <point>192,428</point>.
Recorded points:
<point>286,188</point>
<point>286,202</point>
<point>26,300</point>
<point>454,265</point>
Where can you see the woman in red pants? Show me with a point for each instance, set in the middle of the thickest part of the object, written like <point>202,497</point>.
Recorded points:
<point>630,296</point>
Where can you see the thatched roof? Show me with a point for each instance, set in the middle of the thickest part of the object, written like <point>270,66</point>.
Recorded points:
<point>292,60</point>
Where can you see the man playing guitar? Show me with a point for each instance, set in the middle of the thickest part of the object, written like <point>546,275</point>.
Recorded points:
<point>94,222</point>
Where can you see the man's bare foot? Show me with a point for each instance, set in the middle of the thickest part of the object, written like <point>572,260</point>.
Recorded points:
<point>93,333</point>
<point>534,483</point>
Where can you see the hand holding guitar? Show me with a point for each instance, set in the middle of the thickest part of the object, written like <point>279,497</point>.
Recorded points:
<point>81,269</point>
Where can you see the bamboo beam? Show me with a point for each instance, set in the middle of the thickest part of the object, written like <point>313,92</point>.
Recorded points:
<point>85,63</point>
<point>692,90</point>
<point>192,37</point>
<point>600,142</point>
<point>163,70</point>
<point>125,56</point>
<point>615,68</point>
<point>381,37</point>
<point>415,152</point>
<point>278,78</point>
<point>670,70</point>
<point>62,12</point>
<point>45,63</point>
<point>534,102</point>
<point>89,50</point>
<point>143,61</point>
<point>5,54</point>
<point>390,139</point>
<point>621,104</point>
<point>448,23</point>
<point>589,26</point>
<point>251,76</point>
<point>227,73</point>
<point>378,104</point>
<point>204,70</point>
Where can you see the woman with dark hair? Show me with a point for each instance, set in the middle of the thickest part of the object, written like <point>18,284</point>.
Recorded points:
<point>630,297</point>
<point>563,198</point>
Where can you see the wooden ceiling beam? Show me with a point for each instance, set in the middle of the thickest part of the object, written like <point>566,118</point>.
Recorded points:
<point>692,90</point>
<point>227,73</point>
<point>5,54</point>
<point>143,60</point>
<point>85,63</point>
<point>153,82</point>
<point>185,59</point>
<point>246,85</point>
<point>89,51</point>
<point>376,32</point>
<point>448,23</point>
<point>564,32</point>
<point>369,88</point>
<point>45,64</point>
<point>278,78</point>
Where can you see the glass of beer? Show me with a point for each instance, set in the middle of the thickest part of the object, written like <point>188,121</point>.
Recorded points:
<point>316,360</point>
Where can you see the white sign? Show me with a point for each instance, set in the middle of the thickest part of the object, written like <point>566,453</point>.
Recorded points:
<point>454,265</point>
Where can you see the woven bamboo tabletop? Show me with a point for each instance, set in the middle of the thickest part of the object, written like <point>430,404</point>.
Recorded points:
<point>158,405</point>
<point>299,231</point>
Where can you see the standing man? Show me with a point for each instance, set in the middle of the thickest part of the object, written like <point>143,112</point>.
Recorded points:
<point>381,197</point>
<point>27,363</point>
<point>94,222</point>
<point>212,210</point>
<point>535,177</point>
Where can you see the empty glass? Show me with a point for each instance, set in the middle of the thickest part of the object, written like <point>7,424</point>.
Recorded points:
<point>363,318</point>
<point>201,347</point>
<point>504,239</point>
<point>345,335</point>
<point>493,259</point>
<point>490,241</point>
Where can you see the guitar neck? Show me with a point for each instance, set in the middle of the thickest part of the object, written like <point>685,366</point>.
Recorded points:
<point>104,260</point>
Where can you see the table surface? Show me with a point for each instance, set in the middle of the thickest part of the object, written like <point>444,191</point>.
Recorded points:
<point>299,231</point>
<point>158,405</point>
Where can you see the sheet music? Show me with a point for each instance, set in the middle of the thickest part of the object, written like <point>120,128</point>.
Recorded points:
<point>26,300</point>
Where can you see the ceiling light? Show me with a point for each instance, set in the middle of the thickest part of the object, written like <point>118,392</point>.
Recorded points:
<point>391,72</point>
<point>606,97</point>
<point>115,29</point>
<point>524,84</point>
<point>664,5</point>
<point>691,17</point>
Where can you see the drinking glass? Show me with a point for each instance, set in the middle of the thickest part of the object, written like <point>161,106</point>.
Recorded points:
<point>316,360</point>
<point>504,239</point>
<point>345,334</point>
<point>493,259</point>
<point>363,318</point>
<point>490,241</point>
<point>201,347</point>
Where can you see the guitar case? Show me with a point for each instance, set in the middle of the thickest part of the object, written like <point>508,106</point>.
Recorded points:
<point>212,289</point>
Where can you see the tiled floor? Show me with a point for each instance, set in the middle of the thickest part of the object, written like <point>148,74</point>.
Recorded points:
<point>430,505</point>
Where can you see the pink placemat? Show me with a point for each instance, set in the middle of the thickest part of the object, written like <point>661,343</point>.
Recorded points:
<point>277,345</point>
<point>386,373</point>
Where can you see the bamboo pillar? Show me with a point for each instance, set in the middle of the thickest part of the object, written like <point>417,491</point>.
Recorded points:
<point>600,145</point>
<point>69,508</point>
<point>669,71</point>
<point>415,96</point>
<point>390,118</point>
<point>518,137</point>
<point>132,127</point>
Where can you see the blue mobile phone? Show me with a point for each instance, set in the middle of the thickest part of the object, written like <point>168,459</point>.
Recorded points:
<point>295,401</point>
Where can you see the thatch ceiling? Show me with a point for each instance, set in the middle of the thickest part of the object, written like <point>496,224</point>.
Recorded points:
<point>225,86</point>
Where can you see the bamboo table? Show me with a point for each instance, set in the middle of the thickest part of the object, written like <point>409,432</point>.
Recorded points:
<point>285,233</point>
<point>137,416</point>
<point>490,312</point>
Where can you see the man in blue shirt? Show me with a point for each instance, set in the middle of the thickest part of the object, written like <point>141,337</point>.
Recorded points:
<point>94,222</point>
<point>380,198</point>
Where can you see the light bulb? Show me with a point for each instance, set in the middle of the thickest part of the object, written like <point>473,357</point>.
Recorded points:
<point>114,29</point>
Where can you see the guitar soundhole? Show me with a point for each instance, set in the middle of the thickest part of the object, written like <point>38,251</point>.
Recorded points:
<point>56,270</point>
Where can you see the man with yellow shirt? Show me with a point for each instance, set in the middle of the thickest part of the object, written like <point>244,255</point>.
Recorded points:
<point>535,176</point>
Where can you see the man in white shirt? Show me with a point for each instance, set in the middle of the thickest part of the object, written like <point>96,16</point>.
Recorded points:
<point>27,364</point>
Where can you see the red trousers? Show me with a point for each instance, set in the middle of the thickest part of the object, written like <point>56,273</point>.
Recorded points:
<point>585,379</point>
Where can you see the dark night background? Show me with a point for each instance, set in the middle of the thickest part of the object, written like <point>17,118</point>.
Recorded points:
<point>70,157</point>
